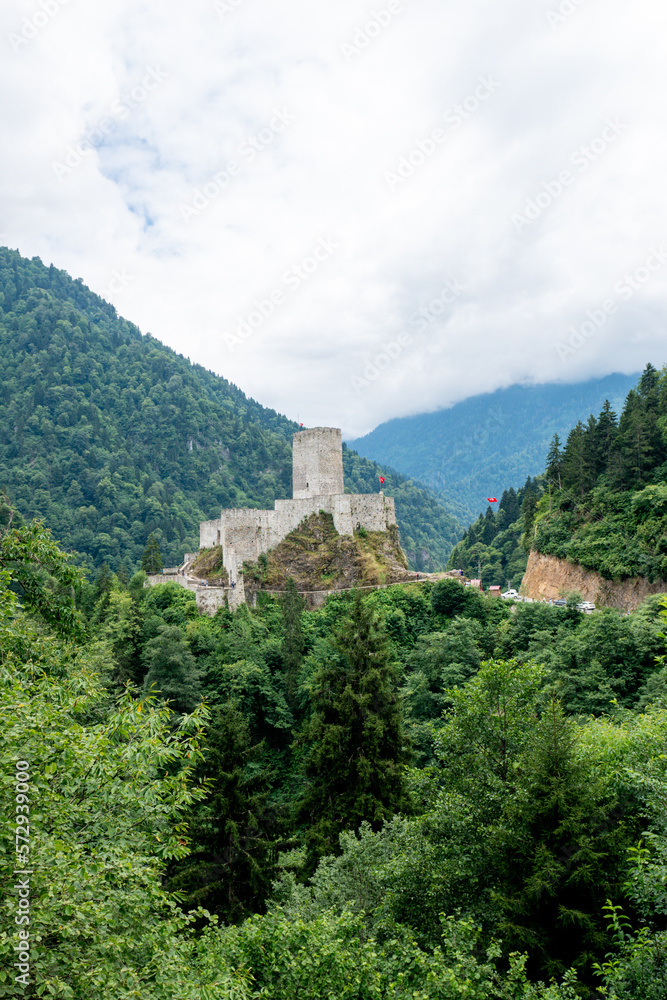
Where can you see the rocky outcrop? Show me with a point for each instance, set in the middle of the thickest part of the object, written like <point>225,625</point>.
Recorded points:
<point>548,578</point>
<point>321,561</point>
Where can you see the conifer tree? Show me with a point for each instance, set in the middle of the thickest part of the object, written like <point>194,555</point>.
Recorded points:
<point>490,528</point>
<point>357,749</point>
<point>151,561</point>
<point>639,430</point>
<point>606,439</point>
<point>563,848</point>
<point>528,512</point>
<point>577,465</point>
<point>172,669</point>
<point>293,643</point>
<point>555,462</point>
<point>230,865</point>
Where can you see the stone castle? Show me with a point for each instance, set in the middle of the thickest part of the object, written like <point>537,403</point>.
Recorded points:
<point>317,485</point>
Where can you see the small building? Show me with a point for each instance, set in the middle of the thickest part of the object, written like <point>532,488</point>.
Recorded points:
<point>477,584</point>
<point>495,591</point>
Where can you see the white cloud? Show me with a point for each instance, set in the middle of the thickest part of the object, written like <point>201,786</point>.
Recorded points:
<point>189,94</point>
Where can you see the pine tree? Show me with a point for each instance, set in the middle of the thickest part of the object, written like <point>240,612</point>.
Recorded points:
<point>555,462</point>
<point>606,439</point>
<point>230,865</point>
<point>172,669</point>
<point>577,466</point>
<point>528,507</point>
<point>490,528</point>
<point>639,430</point>
<point>562,848</point>
<point>293,644</point>
<point>357,749</point>
<point>151,561</point>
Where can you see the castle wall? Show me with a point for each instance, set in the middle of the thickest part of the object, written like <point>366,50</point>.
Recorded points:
<point>289,514</point>
<point>209,599</point>
<point>317,463</point>
<point>372,511</point>
<point>317,471</point>
<point>209,534</point>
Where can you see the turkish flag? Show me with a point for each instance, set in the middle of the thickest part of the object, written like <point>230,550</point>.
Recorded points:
<point>492,500</point>
<point>382,480</point>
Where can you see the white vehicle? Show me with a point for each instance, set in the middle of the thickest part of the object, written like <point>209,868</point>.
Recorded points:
<point>587,607</point>
<point>511,595</point>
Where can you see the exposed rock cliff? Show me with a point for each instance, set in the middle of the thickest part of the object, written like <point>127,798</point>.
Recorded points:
<point>321,560</point>
<point>547,577</point>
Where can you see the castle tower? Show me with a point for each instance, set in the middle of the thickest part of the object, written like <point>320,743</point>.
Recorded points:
<point>317,463</point>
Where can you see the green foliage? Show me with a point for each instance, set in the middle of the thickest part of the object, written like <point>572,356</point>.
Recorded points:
<point>151,560</point>
<point>293,645</point>
<point>171,669</point>
<point>562,848</point>
<point>493,549</point>
<point>109,785</point>
<point>479,870</point>
<point>42,574</point>
<point>329,957</point>
<point>230,865</point>
<point>356,746</point>
<point>607,490</point>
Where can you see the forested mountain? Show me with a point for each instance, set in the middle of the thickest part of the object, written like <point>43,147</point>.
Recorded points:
<point>606,501</point>
<point>111,436</point>
<point>488,443</point>
<point>493,548</point>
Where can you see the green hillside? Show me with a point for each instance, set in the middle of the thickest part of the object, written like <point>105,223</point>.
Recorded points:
<point>488,443</point>
<point>493,547</point>
<point>111,436</point>
<point>606,508</point>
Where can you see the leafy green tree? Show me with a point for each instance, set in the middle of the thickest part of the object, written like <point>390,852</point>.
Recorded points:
<point>449,598</point>
<point>356,749</point>
<point>107,789</point>
<point>43,576</point>
<point>151,561</point>
<point>121,630</point>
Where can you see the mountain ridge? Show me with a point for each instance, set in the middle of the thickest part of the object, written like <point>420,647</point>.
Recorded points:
<point>469,451</point>
<point>111,436</point>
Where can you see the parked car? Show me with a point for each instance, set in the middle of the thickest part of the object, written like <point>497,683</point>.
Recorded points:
<point>511,595</point>
<point>587,607</point>
<point>560,603</point>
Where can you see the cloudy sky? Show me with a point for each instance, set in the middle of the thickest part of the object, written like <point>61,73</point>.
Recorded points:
<point>354,211</point>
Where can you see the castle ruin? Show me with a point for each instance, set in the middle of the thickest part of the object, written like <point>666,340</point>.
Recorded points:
<point>317,485</point>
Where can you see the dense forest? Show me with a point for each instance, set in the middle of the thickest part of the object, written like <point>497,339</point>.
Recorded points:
<point>412,794</point>
<point>478,447</point>
<point>493,549</point>
<point>605,496</point>
<point>111,437</point>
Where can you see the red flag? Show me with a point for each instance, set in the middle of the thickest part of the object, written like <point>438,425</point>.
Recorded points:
<point>382,480</point>
<point>492,500</point>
